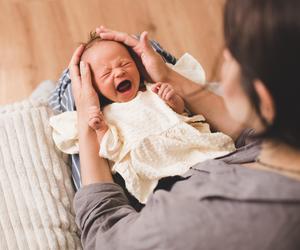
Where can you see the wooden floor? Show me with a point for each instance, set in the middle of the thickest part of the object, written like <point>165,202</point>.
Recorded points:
<point>38,36</point>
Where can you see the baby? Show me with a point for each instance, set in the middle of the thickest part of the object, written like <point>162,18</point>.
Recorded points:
<point>142,129</point>
<point>116,78</point>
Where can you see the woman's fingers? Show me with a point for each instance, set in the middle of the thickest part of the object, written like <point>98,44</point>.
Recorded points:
<point>73,66</point>
<point>76,55</point>
<point>142,46</point>
<point>87,89</point>
<point>129,40</point>
<point>107,34</point>
<point>75,73</point>
<point>102,29</point>
<point>85,73</point>
<point>145,44</point>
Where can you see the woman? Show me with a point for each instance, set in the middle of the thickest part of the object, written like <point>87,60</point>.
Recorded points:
<point>249,199</point>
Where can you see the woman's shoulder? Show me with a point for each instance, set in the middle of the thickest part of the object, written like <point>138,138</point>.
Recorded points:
<point>219,200</point>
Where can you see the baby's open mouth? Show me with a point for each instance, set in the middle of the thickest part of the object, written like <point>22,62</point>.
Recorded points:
<point>124,86</point>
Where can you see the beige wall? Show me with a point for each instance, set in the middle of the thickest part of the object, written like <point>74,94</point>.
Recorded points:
<point>38,36</point>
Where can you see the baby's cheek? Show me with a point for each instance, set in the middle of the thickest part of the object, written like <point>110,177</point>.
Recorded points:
<point>103,86</point>
<point>134,73</point>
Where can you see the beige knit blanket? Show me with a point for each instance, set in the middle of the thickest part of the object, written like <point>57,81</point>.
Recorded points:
<point>36,193</point>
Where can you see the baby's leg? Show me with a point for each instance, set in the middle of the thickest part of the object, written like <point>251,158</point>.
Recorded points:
<point>96,119</point>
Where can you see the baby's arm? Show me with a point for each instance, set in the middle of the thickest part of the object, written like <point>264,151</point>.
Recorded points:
<point>166,92</point>
<point>111,144</point>
<point>97,122</point>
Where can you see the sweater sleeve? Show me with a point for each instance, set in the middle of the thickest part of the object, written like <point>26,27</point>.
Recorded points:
<point>111,145</point>
<point>107,221</point>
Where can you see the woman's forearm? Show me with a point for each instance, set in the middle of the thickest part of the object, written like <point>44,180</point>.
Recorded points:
<point>199,100</point>
<point>94,169</point>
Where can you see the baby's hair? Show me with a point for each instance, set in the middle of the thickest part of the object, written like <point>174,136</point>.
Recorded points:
<point>92,39</point>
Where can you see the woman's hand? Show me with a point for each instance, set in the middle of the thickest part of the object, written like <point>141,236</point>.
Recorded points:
<point>154,64</point>
<point>83,91</point>
<point>93,168</point>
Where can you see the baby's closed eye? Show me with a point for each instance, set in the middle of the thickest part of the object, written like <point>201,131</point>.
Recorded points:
<point>124,64</point>
<point>105,74</point>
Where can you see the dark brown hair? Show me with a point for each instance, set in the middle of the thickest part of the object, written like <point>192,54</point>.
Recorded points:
<point>264,37</point>
<point>94,38</point>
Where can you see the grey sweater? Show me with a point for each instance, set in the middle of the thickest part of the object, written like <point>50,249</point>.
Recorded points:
<point>217,204</point>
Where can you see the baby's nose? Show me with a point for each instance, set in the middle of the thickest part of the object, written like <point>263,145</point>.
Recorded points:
<point>119,72</point>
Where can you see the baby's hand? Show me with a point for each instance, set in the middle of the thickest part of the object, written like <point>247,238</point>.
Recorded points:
<point>96,119</point>
<point>165,91</point>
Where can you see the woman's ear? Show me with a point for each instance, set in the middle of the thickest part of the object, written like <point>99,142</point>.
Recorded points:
<point>267,107</point>
<point>226,54</point>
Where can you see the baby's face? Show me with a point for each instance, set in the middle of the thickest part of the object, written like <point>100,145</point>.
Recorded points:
<point>114,71</point>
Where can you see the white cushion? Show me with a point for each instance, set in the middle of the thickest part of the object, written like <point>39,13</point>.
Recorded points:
<point>36,192</point>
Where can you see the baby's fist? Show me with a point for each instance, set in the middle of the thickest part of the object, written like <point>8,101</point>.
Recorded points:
<point>164,90</point>
<point>96,119</point>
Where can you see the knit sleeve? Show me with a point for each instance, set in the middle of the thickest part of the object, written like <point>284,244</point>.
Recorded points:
<point>111,145</point>
<point>65,132</point>
<point>107,221</point>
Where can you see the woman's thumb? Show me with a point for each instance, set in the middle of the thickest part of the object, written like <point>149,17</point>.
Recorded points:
<point>146,47</point>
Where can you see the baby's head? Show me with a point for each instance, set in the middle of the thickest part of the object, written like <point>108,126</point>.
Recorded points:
<point>114,72</point>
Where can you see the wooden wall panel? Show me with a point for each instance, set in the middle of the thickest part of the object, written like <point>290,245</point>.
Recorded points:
<point>38,36</point>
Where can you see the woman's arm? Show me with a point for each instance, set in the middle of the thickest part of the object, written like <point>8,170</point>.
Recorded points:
<point>94,169</point>
<point>107,221</point>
